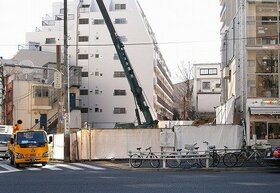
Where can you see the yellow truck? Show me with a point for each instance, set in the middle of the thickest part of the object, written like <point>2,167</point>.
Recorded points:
<point>29,147</point>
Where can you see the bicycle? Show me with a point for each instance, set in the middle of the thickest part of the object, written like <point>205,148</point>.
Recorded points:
<point>136,160</point>
<point>191,156</point>
<point>214,158</point>
<point>245,155</point>
<point>229,158</point>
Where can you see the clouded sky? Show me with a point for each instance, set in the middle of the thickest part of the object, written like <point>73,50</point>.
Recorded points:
<point>187,30</point>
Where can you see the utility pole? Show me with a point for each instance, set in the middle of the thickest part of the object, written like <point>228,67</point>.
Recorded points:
<point>66,101</point>
<point>59,91</point>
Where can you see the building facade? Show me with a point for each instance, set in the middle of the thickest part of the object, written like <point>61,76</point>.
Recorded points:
<point>105,93</point>
<point>207,88</point>
<point>250,65</point>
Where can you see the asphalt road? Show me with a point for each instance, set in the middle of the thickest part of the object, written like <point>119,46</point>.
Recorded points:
<point>86,177</point>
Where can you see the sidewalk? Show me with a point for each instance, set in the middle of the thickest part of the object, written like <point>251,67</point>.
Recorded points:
<point>124,165</point>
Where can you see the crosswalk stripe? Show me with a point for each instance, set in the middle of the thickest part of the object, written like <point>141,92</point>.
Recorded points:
<point>88,166</point>
<point>51,167</point>
<point>33,169</point>
<point>9,168</point>
<point>69,167</point>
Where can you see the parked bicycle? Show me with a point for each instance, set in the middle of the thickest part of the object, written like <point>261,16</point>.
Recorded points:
<point>190,156</point>
<point>248,155</point>
<point>137,159</point>
<point>214,158</point>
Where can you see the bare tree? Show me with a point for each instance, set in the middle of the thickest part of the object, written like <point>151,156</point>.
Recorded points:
<point>184,91</point>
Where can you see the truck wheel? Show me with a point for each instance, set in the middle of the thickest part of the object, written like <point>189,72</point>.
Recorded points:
<point>14,163</point>
<point>43,164</point>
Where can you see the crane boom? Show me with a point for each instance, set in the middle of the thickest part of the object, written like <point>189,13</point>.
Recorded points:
<point>133,83</point>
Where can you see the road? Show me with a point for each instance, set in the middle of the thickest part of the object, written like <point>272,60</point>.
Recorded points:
<point>89,177</point>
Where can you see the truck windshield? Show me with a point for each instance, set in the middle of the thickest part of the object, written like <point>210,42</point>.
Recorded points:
<point>31,137</point>
<point>4,138</point>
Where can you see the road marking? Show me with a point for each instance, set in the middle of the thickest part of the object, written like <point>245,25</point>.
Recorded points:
<point>88,166</point>
<point>9,168</point>
<point>51,167</point>
<point>33,169</point>
<point>69,167</point>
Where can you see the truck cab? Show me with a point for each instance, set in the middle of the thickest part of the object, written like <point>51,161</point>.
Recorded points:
<point>29,147</point>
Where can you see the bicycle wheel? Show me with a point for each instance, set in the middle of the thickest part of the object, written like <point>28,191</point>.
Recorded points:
<point>193,160</point>
<point>216,159</point>
<point>230,159</point>
<point>203,161</point>
<point>154,161</point>
<point>259,158</point>
<point>241,159</point>
<point>135,161</point>
<point>172,160</point>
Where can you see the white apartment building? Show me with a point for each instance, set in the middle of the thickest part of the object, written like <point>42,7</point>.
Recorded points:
<point>207,88</point>
<point>250,65</point>
<point>105,92</point>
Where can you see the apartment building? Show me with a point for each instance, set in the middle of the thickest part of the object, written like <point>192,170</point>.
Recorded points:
<point>207,88</point>
<point>32,96</point>
<point>250,65</point>
<point>105,93</point>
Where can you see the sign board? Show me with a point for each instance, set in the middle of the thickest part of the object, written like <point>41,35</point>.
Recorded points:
<point>167,139</point>
<point>57,80</point>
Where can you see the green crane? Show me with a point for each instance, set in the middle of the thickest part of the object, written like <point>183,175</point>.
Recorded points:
<point>133,83</point>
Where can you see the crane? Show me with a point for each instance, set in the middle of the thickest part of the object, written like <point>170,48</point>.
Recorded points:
<point>128,70</point>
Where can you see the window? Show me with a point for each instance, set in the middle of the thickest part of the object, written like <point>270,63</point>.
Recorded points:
<point>118,74</point>
<point>84,110</point>
<point>120,21</point>
<point>119,110</point>
<point>208,71</point>
<point>96,109</point>
<point>206,85</point>
<point>83,38</point>
<point>96,55</point>
<point>120,6</point>
<point>84,74</point>
<point>50,41</point>
<point>118,92</point>
<point>83,21</point>
<point>96,91</point>
<point>83,92</point>
<point>83,56</point>
<point>96,74</point>
<point>41,91</point>
<point>98,21</point>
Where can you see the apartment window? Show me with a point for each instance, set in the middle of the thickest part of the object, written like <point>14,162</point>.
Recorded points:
<point>98,21</point>
<point>120,21</point>
<point>83,21</point>
<point>119,110</point>
<point>208,71</point>
<point>118,74</point>
<point>96,109</point>
<point>41,91</point>
<point>83,38</point>
<point>84,74</point>
<point>206,85</point>
<point>120,6</point>
<point>84,110</point>
<point>96,73</point>
<point>96,55</point>
<point>83,56</point>
<point>118,92</point>
<point>83,92</point>
<point>50,41</point>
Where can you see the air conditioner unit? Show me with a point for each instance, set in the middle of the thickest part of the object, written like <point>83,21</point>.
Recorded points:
<point>226,74</point>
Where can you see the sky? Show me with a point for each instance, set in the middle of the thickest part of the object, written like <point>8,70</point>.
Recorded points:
<point>187,30</point>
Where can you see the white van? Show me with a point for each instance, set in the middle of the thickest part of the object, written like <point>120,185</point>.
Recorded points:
<point>5,135</point>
